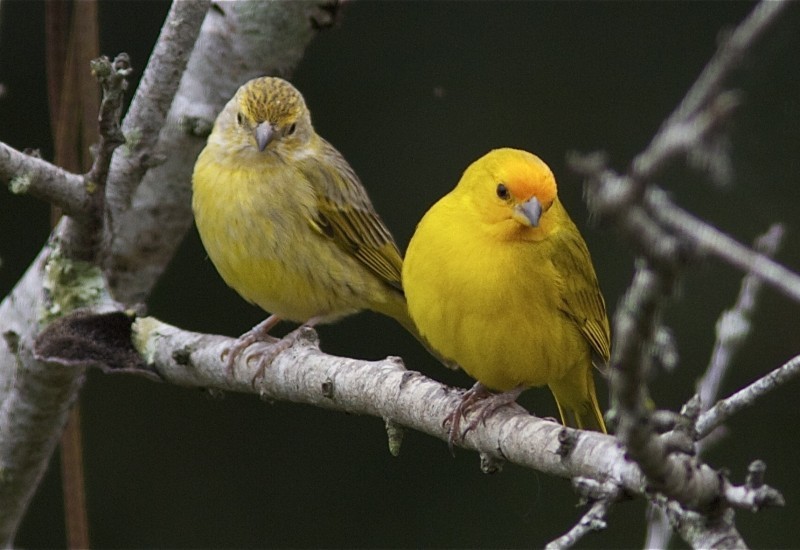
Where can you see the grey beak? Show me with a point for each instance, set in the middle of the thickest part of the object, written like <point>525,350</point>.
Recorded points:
<point>532,210</point>
<point>264,133</point>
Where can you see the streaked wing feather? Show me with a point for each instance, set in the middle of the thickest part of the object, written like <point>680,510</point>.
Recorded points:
<point>347,216</point>
<point>582,300</point>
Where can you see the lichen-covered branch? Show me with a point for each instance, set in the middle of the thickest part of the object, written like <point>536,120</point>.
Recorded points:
<point>240,40</point>
<point>26,173</point>
<point>35,398</point>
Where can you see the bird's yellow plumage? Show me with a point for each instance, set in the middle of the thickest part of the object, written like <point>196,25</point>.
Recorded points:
<point>284,218</point>
<point>499,280</point>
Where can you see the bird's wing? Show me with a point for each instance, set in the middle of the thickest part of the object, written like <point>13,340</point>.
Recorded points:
<point>581,299</point>
<point>346,215</point>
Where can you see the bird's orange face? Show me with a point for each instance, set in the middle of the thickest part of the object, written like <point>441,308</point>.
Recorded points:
<point>509,185</point>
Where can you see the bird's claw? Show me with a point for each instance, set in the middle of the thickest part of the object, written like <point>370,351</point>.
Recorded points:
<point>483,403</point>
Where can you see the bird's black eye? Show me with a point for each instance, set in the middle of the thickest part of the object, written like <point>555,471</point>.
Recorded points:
<point>240,119</point>
<point>502,191</point>
<point>290,130</point>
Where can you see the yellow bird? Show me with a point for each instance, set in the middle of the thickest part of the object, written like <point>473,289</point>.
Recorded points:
<point>285,219</point>
<point>499,280</point>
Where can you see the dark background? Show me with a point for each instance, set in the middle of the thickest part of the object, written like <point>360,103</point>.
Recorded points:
<point>411,93</point>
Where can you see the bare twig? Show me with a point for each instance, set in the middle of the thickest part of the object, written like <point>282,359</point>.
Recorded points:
<point>754,494</point>
<point>153,98</point>
<point>702,531</point>
<point>602,496</point>
<point>693,484</point>
<point>733,328</point>
<point>706,104</point>
<point>653,222</point>
<point>747,396</point>
<point>81,237</point>
<point>112,77</point>
<point>713,241</point>
<point>593,520</point>
<point>734,324</point>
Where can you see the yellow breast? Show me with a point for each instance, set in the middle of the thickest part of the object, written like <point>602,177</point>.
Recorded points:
<point>253,218</point>
<point>492,306</point>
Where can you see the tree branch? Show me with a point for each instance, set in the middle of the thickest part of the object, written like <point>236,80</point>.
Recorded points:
<point>733,327</point>
<point>702,531</point>
<point>711,240</point>
<point>35,396</point>
<point>602,495</point>
<point>38,178</point>
<point>384,389</point>
<point>151,102</point>
<point>113,80</point>
<point>80,236</point>
<point>667,236</point>
<point>706,104</point>
<point>747,397</point>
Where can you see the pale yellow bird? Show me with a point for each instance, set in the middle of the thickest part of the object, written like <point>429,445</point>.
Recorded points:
<point>285,219</point>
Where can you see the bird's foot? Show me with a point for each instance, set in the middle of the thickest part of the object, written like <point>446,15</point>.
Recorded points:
<point>480,401</point>
<point>266,357</point>
<point>259,333</point>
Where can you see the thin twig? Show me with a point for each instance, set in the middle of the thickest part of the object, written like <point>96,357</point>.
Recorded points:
<point>734,325</point>
<point>747,397</point>
<point>706,93</point>
<point>81,237</point>
<point>713,241</point>
<point>113,80</point>
<point>592,520</point>
<point>153,98</point>
<point>602,496</point>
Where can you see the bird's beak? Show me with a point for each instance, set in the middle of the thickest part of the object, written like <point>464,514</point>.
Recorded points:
<point>264,133</point>
<point>529,212</point>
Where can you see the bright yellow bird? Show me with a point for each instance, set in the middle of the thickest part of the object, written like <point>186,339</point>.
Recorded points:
<point>499,280</point>
<point>286,221</point>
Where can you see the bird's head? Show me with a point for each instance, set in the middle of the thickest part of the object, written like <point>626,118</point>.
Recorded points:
<point>510,187</point>
<point>269,113</point>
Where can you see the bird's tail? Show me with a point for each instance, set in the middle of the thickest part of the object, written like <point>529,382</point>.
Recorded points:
<point>577,401</point>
